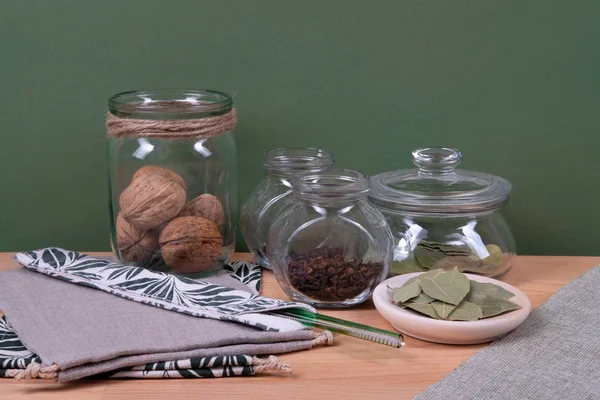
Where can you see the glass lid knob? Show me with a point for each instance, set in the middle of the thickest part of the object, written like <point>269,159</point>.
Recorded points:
<point>436,160</point>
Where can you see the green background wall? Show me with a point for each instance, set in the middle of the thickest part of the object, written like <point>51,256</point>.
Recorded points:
<point>513,84</point>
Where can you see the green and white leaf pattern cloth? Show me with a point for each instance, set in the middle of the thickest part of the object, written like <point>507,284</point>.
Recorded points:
<point>205,367</point>
<point>174,293</point>
<point>13,354</point>
<point>246,272</point>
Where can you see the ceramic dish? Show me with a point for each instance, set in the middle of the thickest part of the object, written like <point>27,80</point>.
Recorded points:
<point>449,332</point>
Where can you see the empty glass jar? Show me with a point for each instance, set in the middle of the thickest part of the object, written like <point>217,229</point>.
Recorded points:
<point>172,179</point>
<point>265,202</point>
<point>330,247</point>
<point>443,217</point>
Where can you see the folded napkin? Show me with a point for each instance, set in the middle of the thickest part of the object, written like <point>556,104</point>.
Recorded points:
<point>553,355</point>
<point>100,316</point>
<point>15,357</point>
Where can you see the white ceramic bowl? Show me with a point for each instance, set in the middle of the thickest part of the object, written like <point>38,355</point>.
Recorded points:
<point>449,332</point>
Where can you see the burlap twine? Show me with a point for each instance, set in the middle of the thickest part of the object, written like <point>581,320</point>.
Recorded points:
<point>34,370</point>
<point>325,337</point>
<point>203,128</point>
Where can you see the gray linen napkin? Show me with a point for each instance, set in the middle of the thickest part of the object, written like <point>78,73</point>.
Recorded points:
<point>554,354</point>
<point>85,331</point>
<point>15,357</point>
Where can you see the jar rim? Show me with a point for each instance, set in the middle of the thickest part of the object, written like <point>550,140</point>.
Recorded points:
<point>284,161</point>
<point>331,184</point>
<point>170,104</point>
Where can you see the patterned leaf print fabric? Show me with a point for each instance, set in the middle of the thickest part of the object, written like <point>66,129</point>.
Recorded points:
<point>245,272</point>
<point>205,367</point>
<point>175,293</point>
<point>224,372</point>
<point>13,354</point>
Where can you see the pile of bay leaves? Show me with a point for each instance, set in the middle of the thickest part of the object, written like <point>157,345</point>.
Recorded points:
<point>450,295</point>
<point>430,255</point>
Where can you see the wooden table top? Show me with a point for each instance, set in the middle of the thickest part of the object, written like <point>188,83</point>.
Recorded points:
<point>349,369</point>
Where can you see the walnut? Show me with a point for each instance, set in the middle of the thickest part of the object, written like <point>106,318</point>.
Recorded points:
<point>190,244</point>
<point>167,173</point>
<point>136,245</point>
<point>205,206</point>
<point>152,198</point>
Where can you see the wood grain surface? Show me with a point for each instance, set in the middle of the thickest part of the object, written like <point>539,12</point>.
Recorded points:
<point>350,369</point>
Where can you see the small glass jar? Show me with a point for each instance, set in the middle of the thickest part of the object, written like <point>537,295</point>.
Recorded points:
<point>330,247</point>
<point>172,179</point>
<point>443,217</point>
<point>265,202</point>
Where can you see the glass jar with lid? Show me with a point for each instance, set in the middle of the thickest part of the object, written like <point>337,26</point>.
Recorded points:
<point>172,179</point>
<point>444,217</point>
<point>330,247</point>
<point>265,202</point>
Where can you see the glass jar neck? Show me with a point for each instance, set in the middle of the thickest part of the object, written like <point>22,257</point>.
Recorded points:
<point>331,187</point>
<point>285,163</point>
<point>170,104</point>
<point>436,161</point>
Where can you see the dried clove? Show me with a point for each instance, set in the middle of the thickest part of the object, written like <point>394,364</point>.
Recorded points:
<point>326,274</point>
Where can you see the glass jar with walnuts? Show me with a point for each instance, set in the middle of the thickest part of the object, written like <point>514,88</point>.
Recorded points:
<point>172,179</point>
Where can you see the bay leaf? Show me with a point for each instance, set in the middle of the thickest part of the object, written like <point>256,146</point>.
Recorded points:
<point>427,258</point>
<point>428,262</point>
<point>406,292</point>
<point>442,309</point>
<point>432,273</point>
<point>488,289</point>
<point>460,280</point>
<point>406,267</point>
<point>492,306</point>
<point>422,298</point>
<point>463,263</point>
<point>441,288</point>
<point>429,245</point>
<point>445,248</point>
<point>434,255</point>
<point>495,257</point>
<point>426,309</point>
<point>466,311</point>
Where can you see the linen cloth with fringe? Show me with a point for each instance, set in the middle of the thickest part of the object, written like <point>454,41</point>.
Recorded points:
<point>553,355</point>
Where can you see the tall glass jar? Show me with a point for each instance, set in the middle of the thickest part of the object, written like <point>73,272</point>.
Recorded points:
<point>330,247</point>
<point>265,202</point>
<point>172,179</point>
<point>445,217</point>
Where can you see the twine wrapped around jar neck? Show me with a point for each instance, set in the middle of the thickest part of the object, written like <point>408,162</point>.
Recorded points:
<point>203,128</point>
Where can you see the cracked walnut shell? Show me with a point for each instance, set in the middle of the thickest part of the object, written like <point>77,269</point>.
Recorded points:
<point>190,244</point>
<point>135,245</point>
<point>152,198</point>
<point>205,206</point>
